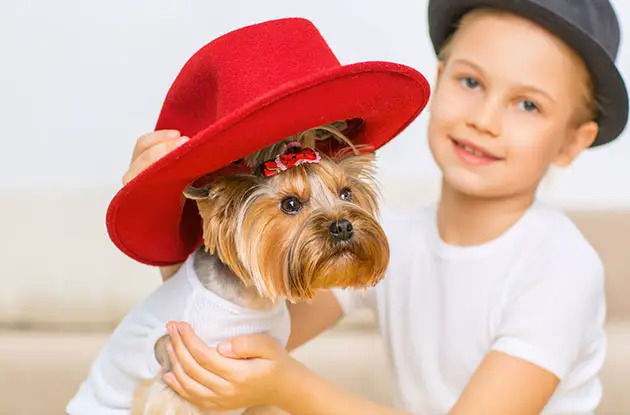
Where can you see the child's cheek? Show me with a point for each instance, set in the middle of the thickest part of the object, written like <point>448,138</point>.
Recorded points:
<point>451,104</point>
<point>527,154</point>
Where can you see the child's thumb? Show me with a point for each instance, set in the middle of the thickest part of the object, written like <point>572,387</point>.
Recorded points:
<point>249,346</point>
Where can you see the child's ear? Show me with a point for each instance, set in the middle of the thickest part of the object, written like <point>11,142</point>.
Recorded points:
<point>582,139</point>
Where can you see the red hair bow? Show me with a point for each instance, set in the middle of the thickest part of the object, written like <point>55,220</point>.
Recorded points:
<point>290,159</point>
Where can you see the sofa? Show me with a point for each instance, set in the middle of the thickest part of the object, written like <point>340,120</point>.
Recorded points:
<point>57,308</point>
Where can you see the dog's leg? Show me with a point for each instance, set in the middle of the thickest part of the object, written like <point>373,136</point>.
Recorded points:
<point>154,397</point>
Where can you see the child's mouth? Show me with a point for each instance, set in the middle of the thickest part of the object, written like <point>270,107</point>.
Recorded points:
<point>472,154</point>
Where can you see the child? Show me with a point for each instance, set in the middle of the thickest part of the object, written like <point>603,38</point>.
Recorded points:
<point>493,302</point>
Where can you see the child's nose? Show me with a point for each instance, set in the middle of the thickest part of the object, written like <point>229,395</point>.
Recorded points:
<point>486,117</point>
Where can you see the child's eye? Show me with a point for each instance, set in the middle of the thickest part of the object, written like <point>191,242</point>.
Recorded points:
<point>469,82</point>
<point>528,106</point>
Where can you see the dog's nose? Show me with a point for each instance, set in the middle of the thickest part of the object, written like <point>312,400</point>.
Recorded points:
<point>341,230</point>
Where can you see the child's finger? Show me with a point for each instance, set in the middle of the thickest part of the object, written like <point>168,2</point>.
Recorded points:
<point>150,139</point>
<point>190,365</point>
<point>150,156</point>
<point>171,380</point>
<point>207,357</point>
<point>192,388</point>
<point>250,346</point>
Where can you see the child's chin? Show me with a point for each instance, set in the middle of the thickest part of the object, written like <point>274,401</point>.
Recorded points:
<point>471,184</point>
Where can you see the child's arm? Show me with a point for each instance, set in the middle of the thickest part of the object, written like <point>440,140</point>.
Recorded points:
<point>310,319</point>
<point>260,372</point>
<point>149,148</point>
<point>168,271</point>
<point>504,384</point>
<point>551,321</point>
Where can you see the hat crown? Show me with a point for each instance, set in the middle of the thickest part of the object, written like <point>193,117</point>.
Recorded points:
<point>241,67</point>
<point>597,18</point>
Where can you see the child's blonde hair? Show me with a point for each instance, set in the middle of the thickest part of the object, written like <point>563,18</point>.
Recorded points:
<point>589,109</point>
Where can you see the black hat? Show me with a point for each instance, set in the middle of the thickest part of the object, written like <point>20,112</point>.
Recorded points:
<point>588,26</point>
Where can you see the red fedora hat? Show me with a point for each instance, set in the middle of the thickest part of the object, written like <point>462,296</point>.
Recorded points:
<point>238,94</point>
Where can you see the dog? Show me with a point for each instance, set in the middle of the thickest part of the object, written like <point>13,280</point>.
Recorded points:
<point>300,222</point>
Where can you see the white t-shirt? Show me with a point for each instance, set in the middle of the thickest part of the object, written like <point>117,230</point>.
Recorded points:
<point>128,357</point>
<point>536,292</point>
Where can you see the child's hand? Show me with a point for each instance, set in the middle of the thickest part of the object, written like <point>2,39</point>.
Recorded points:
<point>151,147</point>
<point>242,372</point>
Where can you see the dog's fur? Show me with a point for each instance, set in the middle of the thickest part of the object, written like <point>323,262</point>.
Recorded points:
<point>257,254</point>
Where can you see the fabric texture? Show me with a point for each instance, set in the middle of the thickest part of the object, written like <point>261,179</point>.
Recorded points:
<point>536,293</point>
<point>128,357</point>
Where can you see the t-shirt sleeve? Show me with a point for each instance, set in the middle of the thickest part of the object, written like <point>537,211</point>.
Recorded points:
<point>553,315</point>
<point>355,299</point>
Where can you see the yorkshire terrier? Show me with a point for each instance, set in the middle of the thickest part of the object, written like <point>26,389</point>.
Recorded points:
<point>302,221</point>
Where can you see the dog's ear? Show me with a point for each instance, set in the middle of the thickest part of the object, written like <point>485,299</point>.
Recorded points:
<point>197,193</point>
<point>220,204</point>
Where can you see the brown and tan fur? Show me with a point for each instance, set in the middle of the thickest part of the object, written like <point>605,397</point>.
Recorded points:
<point>255,254</point>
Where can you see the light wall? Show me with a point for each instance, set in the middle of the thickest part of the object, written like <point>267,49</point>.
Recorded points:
<point>82,80</point>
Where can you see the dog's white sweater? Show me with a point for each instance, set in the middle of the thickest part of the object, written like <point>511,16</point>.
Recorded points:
<point>128,356</point>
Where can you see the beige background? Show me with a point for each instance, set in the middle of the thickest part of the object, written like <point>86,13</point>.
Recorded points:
<point>82,80</point>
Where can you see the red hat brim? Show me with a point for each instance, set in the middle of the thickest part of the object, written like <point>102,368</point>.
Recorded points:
<point>150,221</point>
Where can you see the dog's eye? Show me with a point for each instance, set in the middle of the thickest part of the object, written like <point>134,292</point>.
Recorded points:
<point>291,205</point>
<point>346,194</point>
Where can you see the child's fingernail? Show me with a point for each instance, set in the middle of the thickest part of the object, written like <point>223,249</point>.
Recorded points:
<point>181,141</point>
<point>168,377</point>
<point>225,348</point>
<point>169,347</point>
<point>172,134</point>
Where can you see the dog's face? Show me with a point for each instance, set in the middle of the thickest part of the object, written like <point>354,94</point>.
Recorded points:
<point>312,226</point>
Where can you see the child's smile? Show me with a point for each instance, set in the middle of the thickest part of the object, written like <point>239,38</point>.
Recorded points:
<point>473,154</point>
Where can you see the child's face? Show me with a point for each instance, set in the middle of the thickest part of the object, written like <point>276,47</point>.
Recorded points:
<point>505,106</point>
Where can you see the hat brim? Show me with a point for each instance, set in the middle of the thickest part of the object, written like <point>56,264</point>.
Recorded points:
<point>611,93</point>
<point>150,221</point>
